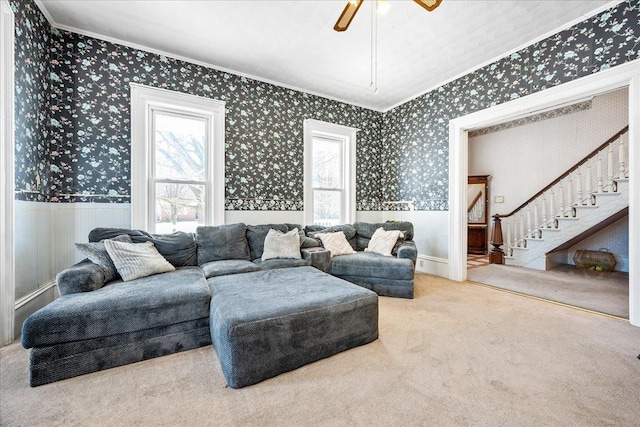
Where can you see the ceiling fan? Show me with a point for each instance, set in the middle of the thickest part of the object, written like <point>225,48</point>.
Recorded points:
<point>352,7</point>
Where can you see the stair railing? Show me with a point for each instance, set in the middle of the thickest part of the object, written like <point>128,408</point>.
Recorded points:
<point>595,173</point>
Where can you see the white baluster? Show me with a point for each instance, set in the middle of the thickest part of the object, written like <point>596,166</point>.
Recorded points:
<point>544,210</point>
<point>579,186</point>
<point>570,192</point>
<point>621,165</point>
<point>508,224</point>
<point>561,196</point>
<point>552,204</point>
<point>521,237</point>
<point>515,232</point>
<point>536,224</point>
<point>589,182</point>
<point>599,184</point>
<point>610,168</point>
<point>529,229</point>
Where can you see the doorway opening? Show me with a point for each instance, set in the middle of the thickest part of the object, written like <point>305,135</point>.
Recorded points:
<point>626,75</point>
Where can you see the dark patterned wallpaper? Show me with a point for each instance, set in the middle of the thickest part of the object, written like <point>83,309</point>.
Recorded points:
<point>88,150</point>
<point>416,133</point>
<point>402,154</point>
<point>264,138</point>
<point>32,107</point>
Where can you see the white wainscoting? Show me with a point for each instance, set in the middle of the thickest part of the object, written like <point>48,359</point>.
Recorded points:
<point>33,247</point>
<point>74,221</point>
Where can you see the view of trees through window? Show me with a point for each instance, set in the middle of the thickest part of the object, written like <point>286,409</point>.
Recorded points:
<point>180,172</point>
<point>327,181</point>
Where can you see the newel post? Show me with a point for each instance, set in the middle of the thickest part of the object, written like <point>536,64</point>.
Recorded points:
<point>496,256</point>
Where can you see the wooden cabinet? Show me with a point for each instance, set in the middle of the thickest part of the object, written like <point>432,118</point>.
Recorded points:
<point>477,216</point>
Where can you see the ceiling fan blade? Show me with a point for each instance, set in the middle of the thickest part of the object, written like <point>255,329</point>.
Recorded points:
<point>430,5</point>
<point>347,15</point>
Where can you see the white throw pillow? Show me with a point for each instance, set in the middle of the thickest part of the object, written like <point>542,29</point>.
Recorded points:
<point>336,243</point>
<point>382,241</point>
<point>135,260</point>
<point>281,245</point>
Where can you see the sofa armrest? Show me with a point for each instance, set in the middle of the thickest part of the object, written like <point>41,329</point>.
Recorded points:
<point>408,250</point>
<point>319,258</point>
<point>84,276</point>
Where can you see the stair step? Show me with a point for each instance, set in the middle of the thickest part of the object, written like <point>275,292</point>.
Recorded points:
<point>520,248</point>
<point>585,206</point>
<point>608,194</point>
<point>567,218</point>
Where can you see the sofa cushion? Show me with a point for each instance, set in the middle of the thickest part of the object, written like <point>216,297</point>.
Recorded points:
<point>281,245</point>
<point>348,230</point>
<point>85,276</point>
<point>274,263</point>
<point>370,264</point>
<point>120,307</point>
<point>97,254</point>
<point>256,235</point>
<point>336,243</point>
<point>221,242</point>
<point>228,266</point>
<point>365,231</point>
<point>383,242</point>
<point>178,248</point>
<point>135,260</point>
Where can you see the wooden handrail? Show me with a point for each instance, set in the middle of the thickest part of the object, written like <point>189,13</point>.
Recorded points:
<point>564,175</point>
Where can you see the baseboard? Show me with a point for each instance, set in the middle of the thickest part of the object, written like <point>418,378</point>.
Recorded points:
<point>560,258</point>
<point>433,265</point>
<point>29,304</point>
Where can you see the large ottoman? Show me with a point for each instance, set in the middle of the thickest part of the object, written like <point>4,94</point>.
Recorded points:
<point>269,322</point>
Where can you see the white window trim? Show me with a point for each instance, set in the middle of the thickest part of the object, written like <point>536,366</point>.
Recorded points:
<point>7,179</point>
<point>348,135</point>
<point>143,98</point>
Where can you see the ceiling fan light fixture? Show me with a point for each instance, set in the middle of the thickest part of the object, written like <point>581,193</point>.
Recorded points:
<point>347,15</point>
<point>430,5</point>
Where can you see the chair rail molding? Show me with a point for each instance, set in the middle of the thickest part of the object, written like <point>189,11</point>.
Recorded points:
<point>7,266</point>
<point>625,75</point>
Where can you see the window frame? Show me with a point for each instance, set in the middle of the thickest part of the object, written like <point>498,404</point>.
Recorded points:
<point>144,100</point>
<point>347,137</point>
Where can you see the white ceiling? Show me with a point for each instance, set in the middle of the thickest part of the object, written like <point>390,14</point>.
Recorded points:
<point>293,44</point>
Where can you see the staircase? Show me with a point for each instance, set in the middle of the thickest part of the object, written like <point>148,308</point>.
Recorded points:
<point>584,199</point>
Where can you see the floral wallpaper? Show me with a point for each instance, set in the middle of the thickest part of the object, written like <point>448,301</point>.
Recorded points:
<point>416,133</point>
<point>89,150</point>
<point>264,139</point>
<point>32,107</point>
<point>73,130</point>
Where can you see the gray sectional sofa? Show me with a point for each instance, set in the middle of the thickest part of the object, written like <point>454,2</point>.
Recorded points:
<point>96,325</point>
<point>387,276</point>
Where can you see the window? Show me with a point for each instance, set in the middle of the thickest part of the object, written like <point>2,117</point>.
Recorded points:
<point>177,160</point>
<point>329,173</point>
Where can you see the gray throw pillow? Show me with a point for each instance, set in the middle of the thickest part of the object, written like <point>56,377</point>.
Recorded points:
<point>221,242</point>
<point>97,254</point>
<point>135,260</point>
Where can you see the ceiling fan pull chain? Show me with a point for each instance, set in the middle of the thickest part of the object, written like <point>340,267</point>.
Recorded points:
<point>374,46</point>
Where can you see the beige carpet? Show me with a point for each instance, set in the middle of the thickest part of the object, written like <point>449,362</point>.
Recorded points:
<point>605,292</point>
<point>458,354</point>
